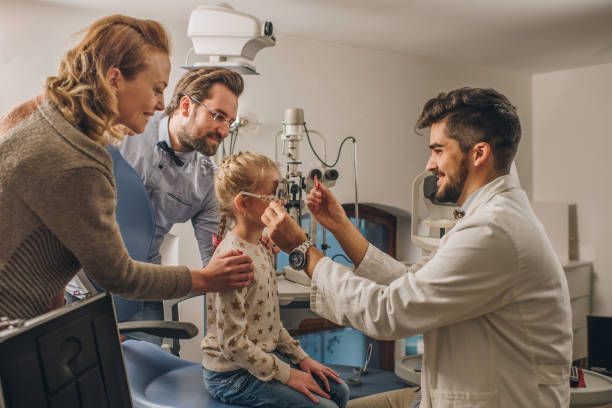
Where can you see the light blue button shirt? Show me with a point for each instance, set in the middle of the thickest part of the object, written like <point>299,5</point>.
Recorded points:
<point>177,194</point>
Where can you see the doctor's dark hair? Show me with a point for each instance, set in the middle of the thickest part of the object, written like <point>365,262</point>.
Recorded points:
<point>476,115</point>
<point>80,89</point>
<point>197,84</point>
<point>238,172</point>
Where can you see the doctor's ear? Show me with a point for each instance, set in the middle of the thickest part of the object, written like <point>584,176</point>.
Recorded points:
<point>481,153</point>
<point>114,77</point>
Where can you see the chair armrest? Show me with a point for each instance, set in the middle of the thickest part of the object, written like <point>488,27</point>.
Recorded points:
<point>175,330</point>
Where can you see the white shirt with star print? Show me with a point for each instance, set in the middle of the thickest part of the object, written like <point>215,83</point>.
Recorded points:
<point>243,326</point>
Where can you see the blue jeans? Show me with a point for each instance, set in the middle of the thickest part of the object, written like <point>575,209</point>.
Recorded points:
<point>242,388</point>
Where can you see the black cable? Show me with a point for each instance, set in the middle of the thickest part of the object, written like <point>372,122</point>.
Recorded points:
<point>343,256</point>
<point>234,139</point>
<point>351,138</point>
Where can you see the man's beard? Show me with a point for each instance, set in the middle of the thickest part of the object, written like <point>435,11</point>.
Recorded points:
<point>186,138</point>
<point>454,186</point>
<point>200,145</point>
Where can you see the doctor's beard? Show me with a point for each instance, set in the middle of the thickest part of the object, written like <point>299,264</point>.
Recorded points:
<point>451,191</point>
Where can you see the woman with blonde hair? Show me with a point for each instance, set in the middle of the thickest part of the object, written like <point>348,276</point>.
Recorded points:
<point>57,192</point>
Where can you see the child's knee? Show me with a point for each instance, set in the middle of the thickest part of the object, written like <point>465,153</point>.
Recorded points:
<point>342,392</point>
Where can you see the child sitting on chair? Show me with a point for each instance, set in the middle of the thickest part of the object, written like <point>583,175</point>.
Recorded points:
<point>246,346</point>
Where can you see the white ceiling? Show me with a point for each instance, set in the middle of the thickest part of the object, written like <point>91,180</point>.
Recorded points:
<point>529,35</point>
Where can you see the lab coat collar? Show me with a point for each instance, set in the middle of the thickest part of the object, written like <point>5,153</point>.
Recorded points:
<point>490,190</point>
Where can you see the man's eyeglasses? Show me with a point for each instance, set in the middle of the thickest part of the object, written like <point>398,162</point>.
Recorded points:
<point>216,116</point>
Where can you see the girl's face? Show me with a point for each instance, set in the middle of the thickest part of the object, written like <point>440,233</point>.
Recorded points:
<point>255,207</point>
<point>141,96</point>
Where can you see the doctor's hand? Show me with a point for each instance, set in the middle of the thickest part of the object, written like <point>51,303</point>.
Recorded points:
<point>304,383</point>
<point>326,209</point>
<point>283,230</point>
<point>230,270</point>
<point>319,370</point>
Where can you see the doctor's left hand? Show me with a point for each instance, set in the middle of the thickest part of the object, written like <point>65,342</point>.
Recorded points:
<point>319,370</point>
<point>283,230</point>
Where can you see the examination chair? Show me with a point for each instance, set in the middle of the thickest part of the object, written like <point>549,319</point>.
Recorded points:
<point>137,226</point>
<point>157,378</point>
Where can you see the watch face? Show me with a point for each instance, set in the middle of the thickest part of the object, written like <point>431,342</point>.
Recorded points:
<point>296,259</point>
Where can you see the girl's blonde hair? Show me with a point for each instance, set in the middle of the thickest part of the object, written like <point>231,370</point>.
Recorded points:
<point>80,89</point>
<point>238,172</point>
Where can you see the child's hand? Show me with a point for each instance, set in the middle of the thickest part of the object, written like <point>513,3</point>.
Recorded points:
<point>304,383</point>
<point>269,244</point>
<point>313,367</point>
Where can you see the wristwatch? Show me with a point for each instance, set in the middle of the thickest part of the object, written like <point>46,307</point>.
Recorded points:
<point>297,257</point>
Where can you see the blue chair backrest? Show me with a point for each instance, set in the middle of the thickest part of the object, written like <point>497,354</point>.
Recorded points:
<point>136,222</point>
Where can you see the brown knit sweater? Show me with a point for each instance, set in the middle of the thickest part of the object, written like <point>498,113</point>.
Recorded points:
<point>57,214</point>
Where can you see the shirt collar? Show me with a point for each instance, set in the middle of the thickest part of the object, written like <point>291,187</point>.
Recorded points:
<point>164,136</point>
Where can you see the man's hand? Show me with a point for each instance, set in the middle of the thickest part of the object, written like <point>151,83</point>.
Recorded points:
<point>326,209</point>
<point>283,230</point>
<point>304,383</point>
<point>231,270</point>
<point>315,368</point>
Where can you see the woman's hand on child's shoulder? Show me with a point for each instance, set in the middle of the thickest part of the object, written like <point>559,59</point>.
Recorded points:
<point>229,270</point>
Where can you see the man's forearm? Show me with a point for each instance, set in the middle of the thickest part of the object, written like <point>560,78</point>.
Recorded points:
<point>351,240</point>
<point>354,244</point>
<point>313,256</point>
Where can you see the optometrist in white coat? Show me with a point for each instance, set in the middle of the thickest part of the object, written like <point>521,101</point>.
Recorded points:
<point>492,302</point>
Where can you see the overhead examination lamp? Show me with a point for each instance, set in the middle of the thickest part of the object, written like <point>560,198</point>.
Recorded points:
<point>226,38</point>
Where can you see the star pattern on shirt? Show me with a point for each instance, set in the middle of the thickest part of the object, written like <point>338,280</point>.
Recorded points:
<point>249,345</point>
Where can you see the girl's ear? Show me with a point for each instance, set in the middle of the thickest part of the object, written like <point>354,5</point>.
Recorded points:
<point>240,203</point>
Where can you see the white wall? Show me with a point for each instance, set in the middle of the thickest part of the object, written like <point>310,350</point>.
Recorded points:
<point>571,155</point>
<point>372,95</point>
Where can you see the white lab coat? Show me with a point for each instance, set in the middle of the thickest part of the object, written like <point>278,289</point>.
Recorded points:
<point>492,303</point>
